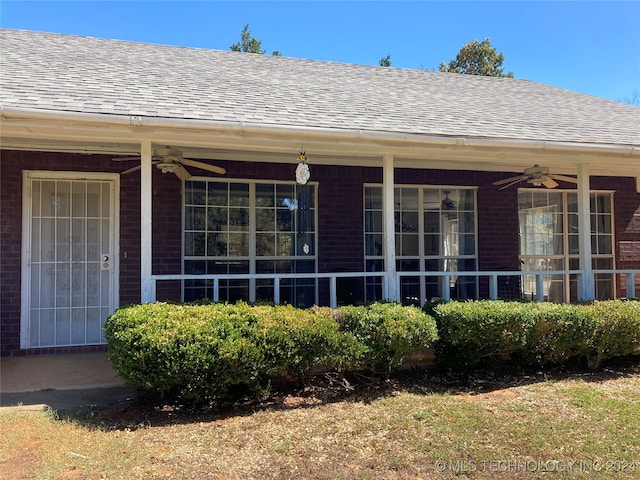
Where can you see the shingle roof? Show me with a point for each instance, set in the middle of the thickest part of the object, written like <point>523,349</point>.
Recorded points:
<point>81,74</point>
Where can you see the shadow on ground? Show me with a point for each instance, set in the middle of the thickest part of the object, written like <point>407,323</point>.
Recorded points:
<point>130,409</point>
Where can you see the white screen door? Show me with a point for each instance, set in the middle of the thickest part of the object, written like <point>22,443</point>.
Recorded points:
<point>70,258</point>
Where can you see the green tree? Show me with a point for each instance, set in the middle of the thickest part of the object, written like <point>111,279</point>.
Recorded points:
<point>250,44</point>
<point>477,58</point>
<point>385,61</point>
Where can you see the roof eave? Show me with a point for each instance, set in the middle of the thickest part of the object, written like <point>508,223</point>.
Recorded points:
<point>132,128</point>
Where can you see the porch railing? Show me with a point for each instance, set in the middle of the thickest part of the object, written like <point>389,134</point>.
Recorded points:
<point>445,277</point>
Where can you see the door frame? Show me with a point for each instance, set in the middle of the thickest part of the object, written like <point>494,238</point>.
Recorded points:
<point>27,176</point>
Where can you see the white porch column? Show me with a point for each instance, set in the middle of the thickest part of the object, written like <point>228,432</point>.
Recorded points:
<point>390,284</point>
<point>146,240</point>
<point>586,284</point>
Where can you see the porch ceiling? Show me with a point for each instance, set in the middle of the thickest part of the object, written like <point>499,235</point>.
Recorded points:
<point>109,134</point>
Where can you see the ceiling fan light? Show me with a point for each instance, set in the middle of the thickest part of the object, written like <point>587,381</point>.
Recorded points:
<point>536,182</point>
<point>447,203</point>
<point>167,167</point>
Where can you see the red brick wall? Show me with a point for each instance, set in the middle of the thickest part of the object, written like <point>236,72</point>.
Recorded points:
<point>10,252</point>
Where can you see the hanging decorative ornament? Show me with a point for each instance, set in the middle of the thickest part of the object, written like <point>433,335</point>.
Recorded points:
<point>303,173</point>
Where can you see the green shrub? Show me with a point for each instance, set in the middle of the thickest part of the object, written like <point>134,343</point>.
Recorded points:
<point>389,332</point>
<point>480,332</point>
<point>297,341</point>
<point>617,333</point>
<point>560,333</point>
<point>193,353</point>
<point>202,353</point>
<point>489,332</point>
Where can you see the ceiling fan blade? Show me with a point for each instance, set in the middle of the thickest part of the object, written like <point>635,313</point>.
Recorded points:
<point>564,178</point>
<point>131,170</point>
<point>125,159</point>
<point>182,173</point>
<point>204,166</point>
<point>510,179</point>
<point>550,182</point>
<point>515,180</point>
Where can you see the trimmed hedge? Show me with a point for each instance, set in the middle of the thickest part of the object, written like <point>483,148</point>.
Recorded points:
<point>389,332</point>
<point>617,333</point>
<point>202,353</point>
<point>199,353</point>
<point>206,352</point>
<point>488,332</point>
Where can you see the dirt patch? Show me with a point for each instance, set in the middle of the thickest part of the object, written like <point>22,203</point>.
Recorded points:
<point>22,461</point>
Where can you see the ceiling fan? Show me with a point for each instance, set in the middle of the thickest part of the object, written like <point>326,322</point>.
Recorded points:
<point>171,160</point>
<point>536,176</point>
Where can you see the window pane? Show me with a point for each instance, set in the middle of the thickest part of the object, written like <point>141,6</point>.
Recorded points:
<point>265,220</point>
<point>603,203</point>
<point>239,219</point>
<point>218,194</point>
<point>601,244</point>
<point>216,244</point>
<point>408,265</point>
<point>432,222</point>
<point>467,200</point>
<point>285,220</point>
<point>194,243</point>
<point>572,223</point>
<point>285,244</point>
<point>410,222</point>
<point>574,244</point>
<point>373,198</point>
<point>217,219</point>
<point>239,195</point>
<point>410,245</point>
<point>409,198</point>
<point>432,244</point>
<point>432,199</point>
<point>195,218</point>
<point>305,244</point>
<point>600,223</point>
<point>466,245</point>
<point>265,266</point>
<point>265,194</point>
<point>555,198</point>
<point>305,266</point>
<point>285,195</point>
<point>195,193</point>
<point>467,223</point>
<point>373,244</point>
<point>238,245</point>
<point>373,221</point>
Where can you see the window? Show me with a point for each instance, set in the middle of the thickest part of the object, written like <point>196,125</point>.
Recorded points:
<point>549,241</point>
<point>250,228</point>
<point>435,231</point>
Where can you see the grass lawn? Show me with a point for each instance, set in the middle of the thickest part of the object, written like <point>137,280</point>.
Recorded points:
<point>560,425</point>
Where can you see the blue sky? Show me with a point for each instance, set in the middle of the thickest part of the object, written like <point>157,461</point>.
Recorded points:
<point>586,46</point>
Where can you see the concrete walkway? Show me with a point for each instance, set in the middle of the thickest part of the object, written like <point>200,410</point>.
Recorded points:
<point>61,382</point>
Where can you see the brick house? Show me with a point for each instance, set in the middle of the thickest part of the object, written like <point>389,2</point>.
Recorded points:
<point>133,172</point>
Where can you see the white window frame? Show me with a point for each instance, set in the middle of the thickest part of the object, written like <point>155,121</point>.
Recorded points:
<point>252,258</point>
<point>566,257</point>
<point>422,257</point>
